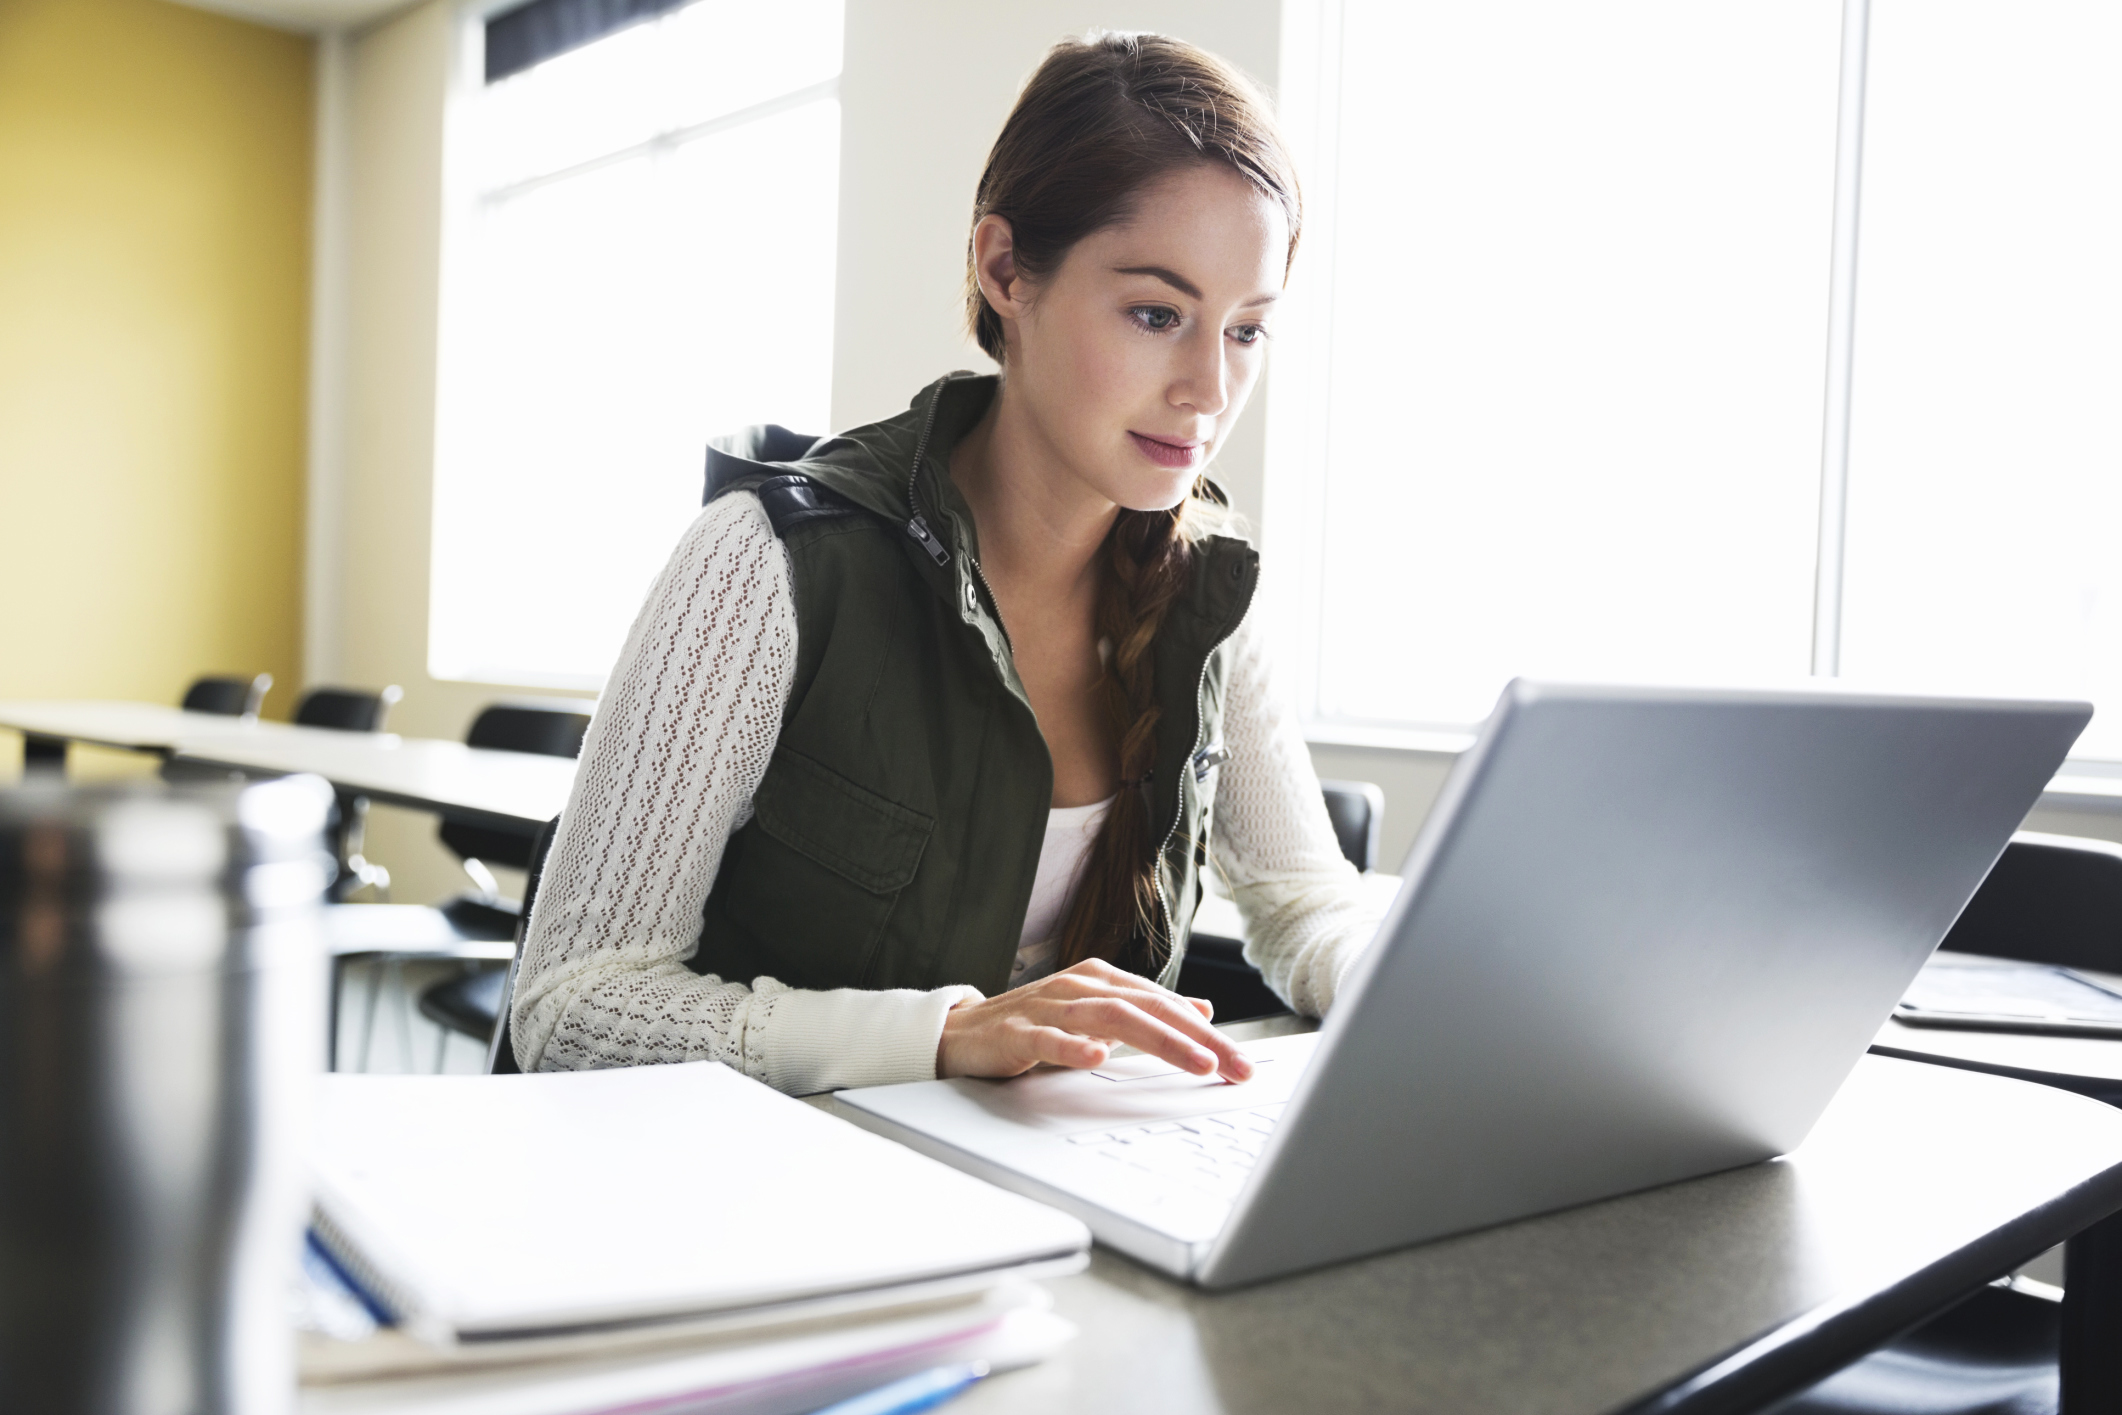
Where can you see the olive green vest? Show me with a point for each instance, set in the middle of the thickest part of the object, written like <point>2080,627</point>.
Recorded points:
<point>897,831</point>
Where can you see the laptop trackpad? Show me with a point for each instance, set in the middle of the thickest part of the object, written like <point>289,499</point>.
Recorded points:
<point>1139,1088</point>
<point>1142,1067</point>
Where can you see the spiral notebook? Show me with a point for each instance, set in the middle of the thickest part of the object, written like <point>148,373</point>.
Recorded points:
<point>506,1208</point>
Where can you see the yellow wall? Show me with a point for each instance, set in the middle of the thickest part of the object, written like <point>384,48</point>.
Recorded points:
<point>154,294</point>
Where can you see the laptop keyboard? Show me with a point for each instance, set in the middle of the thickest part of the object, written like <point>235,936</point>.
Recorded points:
<point>1212,1154</point>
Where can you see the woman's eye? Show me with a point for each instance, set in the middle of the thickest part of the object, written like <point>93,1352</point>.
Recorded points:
<point>1155,317</point>
<point>1248,334</point>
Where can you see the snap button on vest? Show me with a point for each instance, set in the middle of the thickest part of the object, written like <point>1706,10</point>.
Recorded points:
<point>972,598</point>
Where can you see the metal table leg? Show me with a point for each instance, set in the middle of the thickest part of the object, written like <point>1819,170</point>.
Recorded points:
<point>337,974</point>
<point>2092,1319</point>
<point>43,754</point>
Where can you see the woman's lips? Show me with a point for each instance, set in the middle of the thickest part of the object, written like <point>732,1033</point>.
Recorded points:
<point>1167,454</point>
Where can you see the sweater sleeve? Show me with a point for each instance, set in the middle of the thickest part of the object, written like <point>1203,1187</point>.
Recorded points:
<point>1306,920</point>
<point>677,748</point>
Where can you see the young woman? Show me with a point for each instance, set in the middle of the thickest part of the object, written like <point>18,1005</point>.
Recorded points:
<point>913,761</point>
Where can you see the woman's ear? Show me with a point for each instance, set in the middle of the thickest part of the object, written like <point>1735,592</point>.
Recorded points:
<point>995,266</point>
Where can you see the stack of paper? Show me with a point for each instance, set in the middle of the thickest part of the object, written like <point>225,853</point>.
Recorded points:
<point>673,1236</point>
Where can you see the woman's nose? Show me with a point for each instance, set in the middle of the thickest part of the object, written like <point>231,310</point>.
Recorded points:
<point>1203,384</point>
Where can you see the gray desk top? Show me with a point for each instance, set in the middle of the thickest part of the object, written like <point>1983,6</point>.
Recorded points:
<point>1920,1183</point>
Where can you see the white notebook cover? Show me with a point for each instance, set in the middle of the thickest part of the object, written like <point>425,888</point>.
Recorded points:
<point>501,1206</point>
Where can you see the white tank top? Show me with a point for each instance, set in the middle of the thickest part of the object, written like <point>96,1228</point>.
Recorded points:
<point>1069,832</point>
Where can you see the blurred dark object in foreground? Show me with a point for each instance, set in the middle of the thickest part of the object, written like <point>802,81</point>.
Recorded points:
<point>161,1002</point>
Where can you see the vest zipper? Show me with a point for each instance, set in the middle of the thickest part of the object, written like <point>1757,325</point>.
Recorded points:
<point>917,527</point>
<point>1171,930</point>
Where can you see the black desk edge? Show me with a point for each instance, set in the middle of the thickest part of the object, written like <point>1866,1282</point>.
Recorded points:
<point>1820,1342</point>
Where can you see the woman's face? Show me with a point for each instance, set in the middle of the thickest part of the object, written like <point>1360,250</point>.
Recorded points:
<point>1133,359</point>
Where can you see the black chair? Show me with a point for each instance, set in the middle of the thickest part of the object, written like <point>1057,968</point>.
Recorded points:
<point>469,1002</point>
<point>468,925</point>
<point>477,1003</point>
<point>550,728</point>
<point>1357,809</point>
<point>223,697</point>
<point>351,710</point>
<point>228,697</point>
<point>1215,967</point>
<point>2049,899</point>
<point>346,709</point>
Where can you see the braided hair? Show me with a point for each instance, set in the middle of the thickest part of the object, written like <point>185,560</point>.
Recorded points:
<point>1100,120</point>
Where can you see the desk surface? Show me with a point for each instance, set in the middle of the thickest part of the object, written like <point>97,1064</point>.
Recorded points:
<point>1920,1183</point>
<point>476,784</point>
<point>137,727</point>
<point>470,783</point>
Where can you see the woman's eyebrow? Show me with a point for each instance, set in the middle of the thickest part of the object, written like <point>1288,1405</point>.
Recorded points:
<point>1177,281</point>
<point>1185,286</point>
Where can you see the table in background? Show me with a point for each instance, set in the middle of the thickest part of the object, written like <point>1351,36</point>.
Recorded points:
<point>477,785</point>
<point>47,726</point>
<point>1719,1294</point>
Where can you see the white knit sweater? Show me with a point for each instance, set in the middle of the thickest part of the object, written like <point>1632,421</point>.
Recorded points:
<point>680,743</point>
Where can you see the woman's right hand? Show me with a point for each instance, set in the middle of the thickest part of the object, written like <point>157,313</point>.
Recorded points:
<point>1075,1018</point>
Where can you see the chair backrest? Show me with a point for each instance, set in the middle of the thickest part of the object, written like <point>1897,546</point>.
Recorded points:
<point>551,727</point>
<point>2049,899</point>
<point>1357,809</point>
<point>228,697</point>
<point>346,709</point>
<point>501,1051</point>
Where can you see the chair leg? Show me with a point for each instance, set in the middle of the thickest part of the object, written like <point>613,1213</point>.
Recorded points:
<point>376,970</point>
<point>441,1047</point>
<point>336,979</point>
<point>2092,1319</point>
<point>403,1011</point>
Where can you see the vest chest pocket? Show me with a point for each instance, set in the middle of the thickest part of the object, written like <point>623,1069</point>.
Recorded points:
<point>816,882</point>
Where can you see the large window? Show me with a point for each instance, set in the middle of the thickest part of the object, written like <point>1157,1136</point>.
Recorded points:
<point>1985,466</point>
<point>1617,308</point>
<point>640,255</point>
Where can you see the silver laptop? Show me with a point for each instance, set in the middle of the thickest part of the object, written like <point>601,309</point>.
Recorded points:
<point>1645,934</point>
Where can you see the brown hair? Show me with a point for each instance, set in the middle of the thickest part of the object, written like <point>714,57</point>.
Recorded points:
<point>1101,119</point>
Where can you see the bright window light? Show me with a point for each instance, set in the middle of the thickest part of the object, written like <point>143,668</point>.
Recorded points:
<point>1579,407</point>
<point>1578,332</point>
<point>1986,433</point>
<point>641,257</point>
